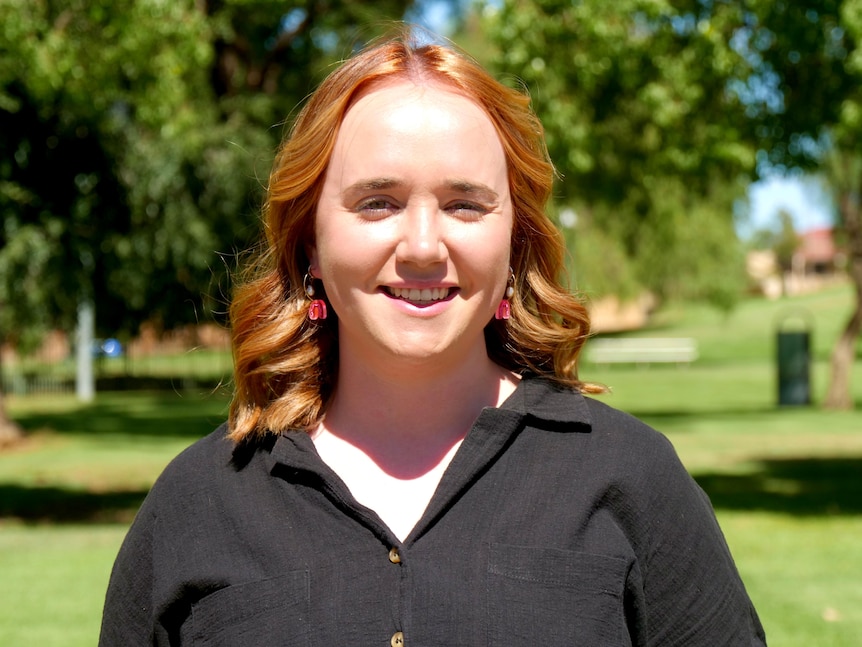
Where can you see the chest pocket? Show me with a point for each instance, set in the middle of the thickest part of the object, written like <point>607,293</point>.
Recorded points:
<point>539,596</point>
<point>271,612</point>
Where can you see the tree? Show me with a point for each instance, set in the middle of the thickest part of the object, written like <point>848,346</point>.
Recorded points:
<point>811,53</point>
<point>844,168</point>
<point>645,129</point>
<point>656,109</point>
<point>10,432</point>
<point>784,244</point>
<point>83,89</point>
<point>132,141</point>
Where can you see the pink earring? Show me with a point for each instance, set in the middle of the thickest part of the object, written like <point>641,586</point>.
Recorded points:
<point>317,307</point>
<point>504,310</point>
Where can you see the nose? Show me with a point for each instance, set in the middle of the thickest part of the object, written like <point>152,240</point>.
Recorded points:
<point>421,240</point>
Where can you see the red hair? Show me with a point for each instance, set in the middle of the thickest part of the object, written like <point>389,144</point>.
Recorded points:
<point>285,365</point>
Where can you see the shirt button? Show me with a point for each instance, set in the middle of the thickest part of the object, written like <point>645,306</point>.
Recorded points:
<point>395,558</point>
<point>397,639</point>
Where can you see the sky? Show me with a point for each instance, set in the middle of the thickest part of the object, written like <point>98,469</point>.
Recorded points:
<point>436,15</point>
<point>808,207</point>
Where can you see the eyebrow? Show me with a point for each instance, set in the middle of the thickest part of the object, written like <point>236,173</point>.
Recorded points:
<point>372,184</point>
<point>480,191</point>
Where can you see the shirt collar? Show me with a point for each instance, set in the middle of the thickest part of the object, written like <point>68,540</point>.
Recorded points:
<point>539,399</point>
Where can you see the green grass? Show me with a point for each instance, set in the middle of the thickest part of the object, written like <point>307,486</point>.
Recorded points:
<point>54,578</point>
<point>786,482</point>
<point>66,498</point>
<point>96,462</point>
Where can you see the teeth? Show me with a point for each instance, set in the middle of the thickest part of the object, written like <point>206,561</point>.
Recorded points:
<point>414,294</point>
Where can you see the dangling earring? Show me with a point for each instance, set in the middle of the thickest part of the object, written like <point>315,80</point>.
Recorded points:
<point>317,307</point>
<point>504,310</point>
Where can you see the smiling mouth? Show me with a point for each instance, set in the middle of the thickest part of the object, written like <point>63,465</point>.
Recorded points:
<point>425,296</point>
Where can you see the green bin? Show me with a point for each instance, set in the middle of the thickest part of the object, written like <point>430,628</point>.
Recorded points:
<point>793,350</point>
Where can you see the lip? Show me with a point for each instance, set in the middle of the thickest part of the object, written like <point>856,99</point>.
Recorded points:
<point>387,290</point>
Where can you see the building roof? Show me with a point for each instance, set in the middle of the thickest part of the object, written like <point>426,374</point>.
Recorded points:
<point>817,245</point>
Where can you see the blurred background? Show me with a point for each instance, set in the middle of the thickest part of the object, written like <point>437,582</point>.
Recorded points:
<point>709,155</point>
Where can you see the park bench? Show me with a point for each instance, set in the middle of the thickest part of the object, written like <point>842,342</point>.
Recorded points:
<point>641,350</point>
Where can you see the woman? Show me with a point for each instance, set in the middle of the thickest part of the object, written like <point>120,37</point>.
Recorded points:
<point>409,459</point>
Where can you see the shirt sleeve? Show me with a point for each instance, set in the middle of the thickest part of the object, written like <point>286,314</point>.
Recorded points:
<point>127,618</point>
<point>692,592</point>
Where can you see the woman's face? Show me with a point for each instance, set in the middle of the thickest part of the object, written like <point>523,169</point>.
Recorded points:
<point>413,227</point>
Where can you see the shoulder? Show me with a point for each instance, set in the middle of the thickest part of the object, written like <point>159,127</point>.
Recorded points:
<point>208,483</point>
<point>608,449</point>
<point>622,432</point>
<point>636,459</point>
<point>585,421</point>
<point>202,464</point>
<point>612,452</point>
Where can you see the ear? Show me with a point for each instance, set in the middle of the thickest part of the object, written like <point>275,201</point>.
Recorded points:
<point>313,267</point>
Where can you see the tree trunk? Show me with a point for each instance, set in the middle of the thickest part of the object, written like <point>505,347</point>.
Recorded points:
<point>10,433</point>
<point>844,354</point>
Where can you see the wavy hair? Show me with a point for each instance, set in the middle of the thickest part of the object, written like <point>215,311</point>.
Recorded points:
<point>285,365</point>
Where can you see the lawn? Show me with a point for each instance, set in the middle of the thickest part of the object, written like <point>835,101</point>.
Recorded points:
<point>786,482</point>
<point>67,496</point>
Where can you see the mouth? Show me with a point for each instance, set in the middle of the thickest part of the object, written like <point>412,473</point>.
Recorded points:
<point>420,297</point>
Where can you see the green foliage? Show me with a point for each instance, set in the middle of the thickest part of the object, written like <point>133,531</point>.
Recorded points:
<point>645,130</point>
<point>810,50</point>
<point>25,257</point>
<point>659,111</point>
<point>598,262</point>
<point>83,87</point>
<point>807,53</point>
<point>628,89</point>
<point>133,143</point>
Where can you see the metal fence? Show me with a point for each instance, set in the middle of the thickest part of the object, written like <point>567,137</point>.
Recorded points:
<point>166,370</point>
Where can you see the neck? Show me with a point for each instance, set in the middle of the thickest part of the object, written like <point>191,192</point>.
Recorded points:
<point>416,413</point>
<point>407,399</point>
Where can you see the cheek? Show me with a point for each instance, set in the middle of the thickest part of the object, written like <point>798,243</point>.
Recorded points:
<point>333,243</point>
<point>347,253</point>
<point>495,245</point>
<point>486,260</point>
<point>503,260</point>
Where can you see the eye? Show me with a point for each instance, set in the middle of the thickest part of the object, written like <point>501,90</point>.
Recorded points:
<point>376,207</point>
<point>467,210</point>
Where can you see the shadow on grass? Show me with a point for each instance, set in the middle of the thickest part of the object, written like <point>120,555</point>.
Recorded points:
<point>797,486</point>
<point>801,487</point>
<point>119,418</point>
<point>134,415</point>
<point>61,505</point>
<point>755,414</point>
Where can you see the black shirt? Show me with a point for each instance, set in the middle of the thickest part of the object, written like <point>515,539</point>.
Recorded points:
<point>559,521</point>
